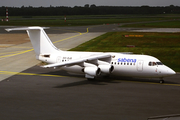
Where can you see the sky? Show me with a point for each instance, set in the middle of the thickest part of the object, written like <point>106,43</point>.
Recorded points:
<point>72,3</point>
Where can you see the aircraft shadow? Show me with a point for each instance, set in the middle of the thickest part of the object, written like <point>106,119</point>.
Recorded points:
<point>141,80</point>
<point>102,80</point>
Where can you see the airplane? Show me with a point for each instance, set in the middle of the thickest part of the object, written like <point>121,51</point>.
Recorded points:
<point>94,64</point>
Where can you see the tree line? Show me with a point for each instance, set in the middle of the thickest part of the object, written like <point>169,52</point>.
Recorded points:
<point>87,10</point>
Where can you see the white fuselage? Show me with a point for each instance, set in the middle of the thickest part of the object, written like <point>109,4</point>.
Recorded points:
<point>124,64</point>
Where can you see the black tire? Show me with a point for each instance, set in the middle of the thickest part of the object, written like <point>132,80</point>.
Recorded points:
<point>161,81</point>
<point>90,79</point>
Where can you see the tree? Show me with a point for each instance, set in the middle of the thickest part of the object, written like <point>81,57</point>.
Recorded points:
<point>93,6</point>
<point>86,5</point>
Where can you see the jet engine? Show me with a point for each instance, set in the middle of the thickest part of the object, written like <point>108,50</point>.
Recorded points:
<point>92,71</point>
<point>107,69</point>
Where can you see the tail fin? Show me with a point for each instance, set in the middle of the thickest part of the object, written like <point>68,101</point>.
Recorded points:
<point>39,39</point>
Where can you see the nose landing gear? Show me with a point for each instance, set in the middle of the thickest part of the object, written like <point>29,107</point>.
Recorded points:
<point>161,81</point>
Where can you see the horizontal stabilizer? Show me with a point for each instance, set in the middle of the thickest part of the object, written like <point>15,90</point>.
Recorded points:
<point>26,28</point>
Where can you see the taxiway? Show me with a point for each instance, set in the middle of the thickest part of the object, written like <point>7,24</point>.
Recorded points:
<point>30,92</point>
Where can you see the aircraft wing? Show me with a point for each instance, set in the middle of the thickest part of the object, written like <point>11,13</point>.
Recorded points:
<point>89,59</point>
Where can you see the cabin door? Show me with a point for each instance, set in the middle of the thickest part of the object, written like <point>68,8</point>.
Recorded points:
<point>58,60</point>
<point>140,65</point>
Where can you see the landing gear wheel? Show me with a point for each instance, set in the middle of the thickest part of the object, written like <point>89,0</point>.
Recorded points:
<point>161,81</point>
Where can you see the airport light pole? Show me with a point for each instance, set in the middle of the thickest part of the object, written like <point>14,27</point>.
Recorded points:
<point>7,19</point>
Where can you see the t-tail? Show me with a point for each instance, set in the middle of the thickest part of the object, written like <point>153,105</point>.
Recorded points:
<point>39,39</point>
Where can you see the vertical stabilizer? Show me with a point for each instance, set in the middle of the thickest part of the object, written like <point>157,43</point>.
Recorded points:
<point>39,39</point>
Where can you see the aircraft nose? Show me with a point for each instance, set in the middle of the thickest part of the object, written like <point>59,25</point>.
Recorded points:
<point>166,71</point>
<point>171,72</point>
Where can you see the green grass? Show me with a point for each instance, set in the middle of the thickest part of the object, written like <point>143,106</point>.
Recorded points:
<point>82,20</point>
<point>164,46</point>
<point>165,24</point>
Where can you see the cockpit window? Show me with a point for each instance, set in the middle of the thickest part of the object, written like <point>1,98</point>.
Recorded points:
<point>159,63</point>
<point>155,63</point>
<point>152,63</point>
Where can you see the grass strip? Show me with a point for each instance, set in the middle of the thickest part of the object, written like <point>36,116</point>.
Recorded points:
<point>164,46</point>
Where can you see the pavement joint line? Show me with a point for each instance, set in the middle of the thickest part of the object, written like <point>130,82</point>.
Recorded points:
<point>53,42</point>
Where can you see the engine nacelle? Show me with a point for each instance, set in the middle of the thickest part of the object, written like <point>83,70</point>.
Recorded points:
<point>92,71</point>
<point>106,68</point>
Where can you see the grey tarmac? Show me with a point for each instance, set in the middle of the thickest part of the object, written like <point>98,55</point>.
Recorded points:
<point>52,94</point>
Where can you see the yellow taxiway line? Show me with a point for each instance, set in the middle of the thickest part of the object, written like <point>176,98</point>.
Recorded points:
<point>72,36</point>
<point>16,53</point>
<point>53,42</point>
<point>49,75</point>
<point>25,51</point>
<point>33,74</point>
<point>11,52</point>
